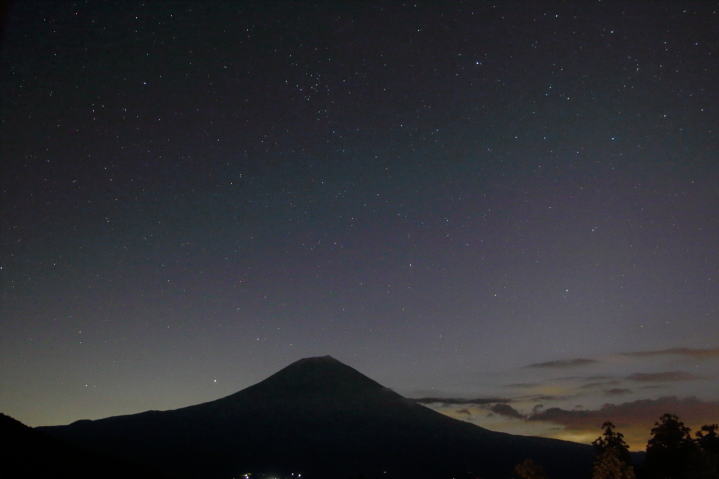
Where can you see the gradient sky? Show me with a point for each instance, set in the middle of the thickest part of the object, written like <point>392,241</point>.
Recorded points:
<point>497,203</point>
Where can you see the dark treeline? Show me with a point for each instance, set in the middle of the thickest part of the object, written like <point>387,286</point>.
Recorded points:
<point>672,453</point>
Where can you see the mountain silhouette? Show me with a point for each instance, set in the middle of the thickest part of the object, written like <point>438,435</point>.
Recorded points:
<point>30,453</point>
<point>321,418</point>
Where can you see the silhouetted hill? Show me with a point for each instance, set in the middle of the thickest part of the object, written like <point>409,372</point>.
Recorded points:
<point>28,453</point>
<point>324,419</point>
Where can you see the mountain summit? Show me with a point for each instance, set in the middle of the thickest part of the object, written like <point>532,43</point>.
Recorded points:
<point>323,418</point>
<point>319,375</point>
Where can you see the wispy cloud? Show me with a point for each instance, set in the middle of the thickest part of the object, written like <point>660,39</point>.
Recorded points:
<point>617,391</point>
<point>506,410</point>
<point>634,418</point>
<point>549,397</point>
<point>461,401</point>
<point>599,384</point>
<point>663,377</point>
<point>595,377</point>
<point>522,385</point>
<point>564,363</point>
<point>695,353</point>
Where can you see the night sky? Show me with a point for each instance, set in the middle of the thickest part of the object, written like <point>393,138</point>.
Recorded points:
<point>509,207</point>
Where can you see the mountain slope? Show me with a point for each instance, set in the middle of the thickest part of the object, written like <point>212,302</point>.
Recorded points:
<point>325,419</point>
<point>30,453</point>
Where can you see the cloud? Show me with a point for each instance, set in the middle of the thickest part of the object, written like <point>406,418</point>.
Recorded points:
<point>663,377</point>
<point>584,378</point>
<point>549,397</point>
<point>617,391</point>
<point>471,401</point>
<point>599,384</point>
<point>522,385</point>
<point>564,363</point>
<point>694,353</point>
<point>634,419</point>
<point>506,410</point>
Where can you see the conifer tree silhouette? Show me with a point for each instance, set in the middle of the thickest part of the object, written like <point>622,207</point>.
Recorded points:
<point>669,450</point>
<point>706,455</point>
<point>612,460</point>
